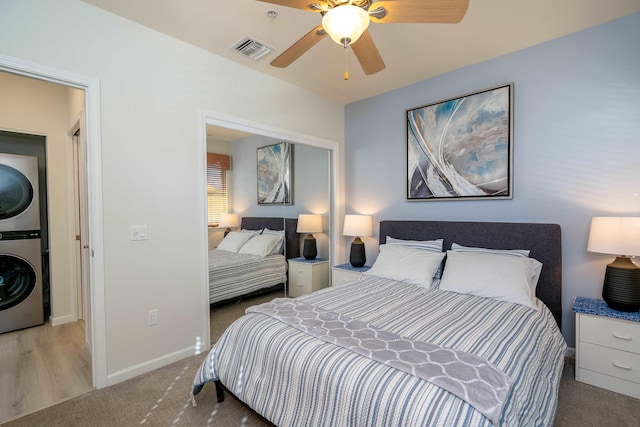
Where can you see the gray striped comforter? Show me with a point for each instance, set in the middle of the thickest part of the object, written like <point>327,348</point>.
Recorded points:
<point>232,274</point>
<point>294,379</point>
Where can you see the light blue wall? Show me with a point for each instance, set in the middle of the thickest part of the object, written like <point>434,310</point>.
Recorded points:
<point>576,145</point>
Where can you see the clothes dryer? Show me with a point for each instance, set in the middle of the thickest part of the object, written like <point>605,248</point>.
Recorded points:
<point>19,197</point>
<point>21,303</point>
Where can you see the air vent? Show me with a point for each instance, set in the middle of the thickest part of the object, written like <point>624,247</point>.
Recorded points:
<point>251,48</point>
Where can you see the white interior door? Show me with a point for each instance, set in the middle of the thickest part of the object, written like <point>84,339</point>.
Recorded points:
<point>81,227</point>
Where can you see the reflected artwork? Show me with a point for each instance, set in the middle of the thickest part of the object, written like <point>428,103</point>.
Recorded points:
<point>274,174</point>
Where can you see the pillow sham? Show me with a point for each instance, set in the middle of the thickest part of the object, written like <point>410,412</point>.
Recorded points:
<point>235,240</point>
<point>514,252</point>
<point>406,264</point>
<point>262,245</point>
<point>502,277</point>
<point>280,248</point>
<point>246,230</point>
<point>429,245</point>
<point>517,252</point>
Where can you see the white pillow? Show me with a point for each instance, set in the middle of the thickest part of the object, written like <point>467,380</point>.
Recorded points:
<point>245,230</point>
<point>262,245</point>
<point>429,245</point>
<point>234,241</point>
<point>406,264</point>
<point>280,248</point>
<point>502,277</point>
<point>515,252</point>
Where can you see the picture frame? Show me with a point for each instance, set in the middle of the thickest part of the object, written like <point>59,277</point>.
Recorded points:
<point>461,148</point>
<point>274,174</point>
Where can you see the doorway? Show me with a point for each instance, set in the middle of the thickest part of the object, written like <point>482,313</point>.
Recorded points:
<point>91,120</point>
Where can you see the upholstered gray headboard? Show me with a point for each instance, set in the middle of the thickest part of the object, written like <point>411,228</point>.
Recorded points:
<point>289,225</point>
<point>543,240</point>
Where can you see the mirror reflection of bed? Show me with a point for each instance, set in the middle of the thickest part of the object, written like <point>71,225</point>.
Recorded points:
<point>249,267</point>
<point>310,193</point>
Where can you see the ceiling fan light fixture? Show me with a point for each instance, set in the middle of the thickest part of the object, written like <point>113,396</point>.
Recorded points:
<point>345,23</point>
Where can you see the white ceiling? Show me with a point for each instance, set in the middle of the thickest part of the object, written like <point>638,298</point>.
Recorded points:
<point>412,52</point>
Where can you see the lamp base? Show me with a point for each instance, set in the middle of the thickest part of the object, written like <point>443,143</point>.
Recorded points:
<point>309,250</point>
<point>357,258</point>
<point>227,231</point>
<point>621,289</point>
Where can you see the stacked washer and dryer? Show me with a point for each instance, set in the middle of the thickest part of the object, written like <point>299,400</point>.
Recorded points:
<point>21,300</point>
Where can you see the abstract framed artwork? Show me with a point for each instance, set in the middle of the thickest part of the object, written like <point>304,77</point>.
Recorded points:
<point>274,174</point>
<point>462,148</point>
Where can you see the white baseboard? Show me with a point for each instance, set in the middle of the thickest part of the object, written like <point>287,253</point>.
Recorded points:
<point>61,320</point>
<point>149,366</point>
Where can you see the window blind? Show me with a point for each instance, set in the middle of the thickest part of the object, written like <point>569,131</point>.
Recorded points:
<point>217,196</point>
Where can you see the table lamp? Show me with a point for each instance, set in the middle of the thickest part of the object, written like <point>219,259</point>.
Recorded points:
<point>618,236</point>
<point>228,220</point>
<point>309,223</point>
<point>357,226</point>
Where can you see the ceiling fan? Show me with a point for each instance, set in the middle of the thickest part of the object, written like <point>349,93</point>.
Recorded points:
<point>346,22</point>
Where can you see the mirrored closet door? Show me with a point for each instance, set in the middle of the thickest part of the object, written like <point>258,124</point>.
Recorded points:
<point>308,187</point>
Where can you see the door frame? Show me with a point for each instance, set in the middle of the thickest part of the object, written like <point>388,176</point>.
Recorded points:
<point>91,88</point>
<point>336,205</point>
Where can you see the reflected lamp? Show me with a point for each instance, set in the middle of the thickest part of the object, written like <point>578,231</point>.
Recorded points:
<point>357,226</point>
<point>618,236</point>
<point>228,220</point>
<point>309,223</point>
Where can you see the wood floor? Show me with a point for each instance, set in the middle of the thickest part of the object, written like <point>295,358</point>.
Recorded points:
<point>41,366</point>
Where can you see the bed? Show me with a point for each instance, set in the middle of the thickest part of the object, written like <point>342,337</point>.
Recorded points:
<point>382,352</point>
<point>233,275</point>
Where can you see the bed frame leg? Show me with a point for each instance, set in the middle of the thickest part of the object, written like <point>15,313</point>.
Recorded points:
<point>219,391</point>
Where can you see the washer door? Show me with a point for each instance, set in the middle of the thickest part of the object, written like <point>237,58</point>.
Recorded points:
<point>17,280</point>
<point>16,192</point>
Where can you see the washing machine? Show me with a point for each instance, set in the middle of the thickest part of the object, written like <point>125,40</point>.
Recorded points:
<point>21,303</point>
<point>19,202</point>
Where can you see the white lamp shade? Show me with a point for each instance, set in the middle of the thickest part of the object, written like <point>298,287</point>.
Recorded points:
<point>358,225</point>
<point>309,223</point>
<point>345,22</point>
<point>615,235</point>
<point>228,220</point>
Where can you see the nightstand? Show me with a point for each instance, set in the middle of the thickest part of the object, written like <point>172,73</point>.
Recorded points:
<point>607,347</point>
<point>345,273</point>
<point>307,276</point>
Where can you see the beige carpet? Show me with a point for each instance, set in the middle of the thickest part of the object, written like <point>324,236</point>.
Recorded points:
<point>161,398</point>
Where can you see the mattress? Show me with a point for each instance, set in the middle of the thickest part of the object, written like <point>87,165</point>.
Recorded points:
<point>232,275</point>
<point>293,379</point>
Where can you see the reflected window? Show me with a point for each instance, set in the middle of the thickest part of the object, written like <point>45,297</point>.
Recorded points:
<point>217,186</point>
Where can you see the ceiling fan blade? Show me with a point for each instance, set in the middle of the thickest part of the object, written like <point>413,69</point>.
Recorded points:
<point>307,5</point>
<point>367,54</point>
<point>418,11</point>
<point>298,48</point>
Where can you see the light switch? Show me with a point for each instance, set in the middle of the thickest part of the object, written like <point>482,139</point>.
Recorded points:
<point>138,232</point>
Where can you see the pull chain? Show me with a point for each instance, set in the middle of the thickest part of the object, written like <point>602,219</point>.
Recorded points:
<point>346,63</point>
